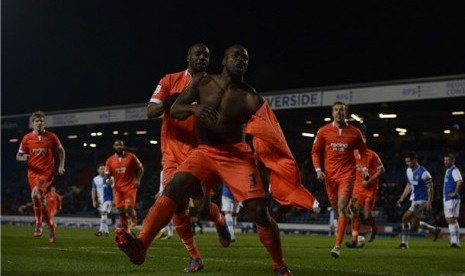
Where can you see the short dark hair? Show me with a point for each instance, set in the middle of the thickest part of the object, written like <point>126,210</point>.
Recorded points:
<point>412,155</point>
<point>451,156</point>
<point>201,45</point>
<point>341,103</point>
<point>238,46</point>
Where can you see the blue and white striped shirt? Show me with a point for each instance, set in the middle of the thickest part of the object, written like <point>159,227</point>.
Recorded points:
<point>450,182</point>
<point>104,191</point>
<point>420,179</point>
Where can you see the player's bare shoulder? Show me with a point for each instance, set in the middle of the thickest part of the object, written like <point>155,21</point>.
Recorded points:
<point>209,80</point>
<point>254,99</point>
<point>206,78</point>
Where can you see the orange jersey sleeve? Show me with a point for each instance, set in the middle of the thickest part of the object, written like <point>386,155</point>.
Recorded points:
<point>124,170</point>
<point>333,150</point>
<point>374,164</point>
<point>178,137</point>
<point>272,150</point>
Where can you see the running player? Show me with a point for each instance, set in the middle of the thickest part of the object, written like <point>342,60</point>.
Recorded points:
<point>178,138</point>
<point>334,162</point>
<point>54,204</point>
<point>38,148</point>
<point>420,184</point>
<point>365,191</point>
<point>124,171</point>
<point>226,103</point>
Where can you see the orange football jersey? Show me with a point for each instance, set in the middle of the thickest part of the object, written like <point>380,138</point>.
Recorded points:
<point>41,151</point>
<point>124,170</point>
<point>178,137</point>
<point>333,150</point>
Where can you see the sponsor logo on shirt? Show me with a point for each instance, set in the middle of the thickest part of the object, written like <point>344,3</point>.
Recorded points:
<point>39,151</point>
<point>339,146</point>
<point>121,170</point>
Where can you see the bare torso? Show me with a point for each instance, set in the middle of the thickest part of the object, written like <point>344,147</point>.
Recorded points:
<point>235,103</point>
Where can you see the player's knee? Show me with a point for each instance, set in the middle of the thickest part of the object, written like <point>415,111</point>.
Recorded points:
<point>342,210</point>
<point>204,210</point>
<point>177,196</point>
<point>182,186</point>
<point>182,206</point>
<point>262,220</point>
<point>258,212</point>
<point>35,193</point>
<point>173,190</point>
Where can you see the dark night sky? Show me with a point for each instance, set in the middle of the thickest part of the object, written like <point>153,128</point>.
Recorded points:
<point>71,54</point>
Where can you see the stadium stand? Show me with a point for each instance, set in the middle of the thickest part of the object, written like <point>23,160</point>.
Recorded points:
<point>424,136</point>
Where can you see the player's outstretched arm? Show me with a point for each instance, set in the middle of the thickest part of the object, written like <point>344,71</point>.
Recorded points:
<point>183,107</point>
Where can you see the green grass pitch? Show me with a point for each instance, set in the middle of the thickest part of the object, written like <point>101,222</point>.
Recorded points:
<point>79,252</point>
